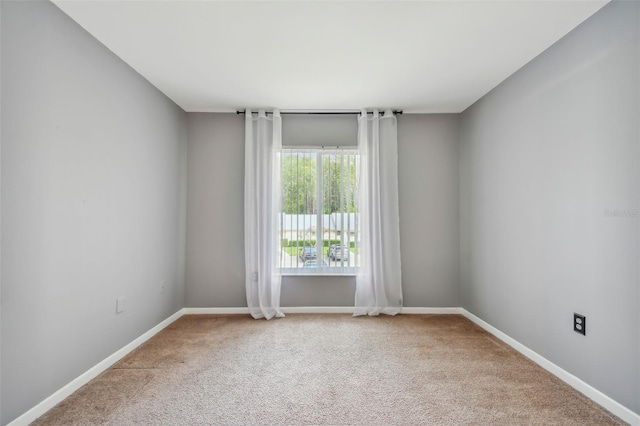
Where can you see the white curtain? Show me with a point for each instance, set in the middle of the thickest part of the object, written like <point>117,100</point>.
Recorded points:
<point>263,144</point>
<point>378,282</point>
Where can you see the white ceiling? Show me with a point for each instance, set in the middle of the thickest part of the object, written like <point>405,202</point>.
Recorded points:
<point>419,56</point>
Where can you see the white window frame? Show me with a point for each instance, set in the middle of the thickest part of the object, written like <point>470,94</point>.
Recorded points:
<point>320,152</point>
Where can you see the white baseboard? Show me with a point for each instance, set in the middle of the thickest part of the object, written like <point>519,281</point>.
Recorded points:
<point>592,393</point>
<point>350,309</point>
<point>286,310</point>
<point>427,311</point>
<point>216,311</point>
<point>90,374</point>
<point>317,309</point>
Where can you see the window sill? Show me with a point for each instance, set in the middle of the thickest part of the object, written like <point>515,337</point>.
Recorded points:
<point>319,272</point>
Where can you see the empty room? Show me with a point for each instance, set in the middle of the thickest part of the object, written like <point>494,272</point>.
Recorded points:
<point>319,212</point>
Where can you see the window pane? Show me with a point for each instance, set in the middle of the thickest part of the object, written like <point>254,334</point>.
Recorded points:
<point>339,188</point>
<point>299,205</point>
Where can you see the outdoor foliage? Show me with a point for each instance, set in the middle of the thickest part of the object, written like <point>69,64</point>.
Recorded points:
<point>299,183</point>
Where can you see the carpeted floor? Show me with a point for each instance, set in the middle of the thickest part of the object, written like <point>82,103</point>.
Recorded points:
<point>326,369</point>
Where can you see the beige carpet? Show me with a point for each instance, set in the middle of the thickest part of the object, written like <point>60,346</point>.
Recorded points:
<point>326,369</point>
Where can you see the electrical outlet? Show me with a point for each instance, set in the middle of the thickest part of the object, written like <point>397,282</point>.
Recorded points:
<point>580,324</point>
<point>163,286</point>
<point>120,305</point>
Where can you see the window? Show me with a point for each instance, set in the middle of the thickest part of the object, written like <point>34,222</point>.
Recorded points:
<point>318,225</point>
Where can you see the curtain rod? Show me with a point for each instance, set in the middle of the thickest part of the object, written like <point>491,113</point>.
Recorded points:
<point>395,112</point>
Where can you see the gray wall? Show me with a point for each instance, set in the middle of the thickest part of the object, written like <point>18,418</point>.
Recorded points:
<point>93,203</point>
<point>542,157</point>
<point>428,164</point>
<point>319,130</point>
<point>215,211</point>
<point>429,209</point>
